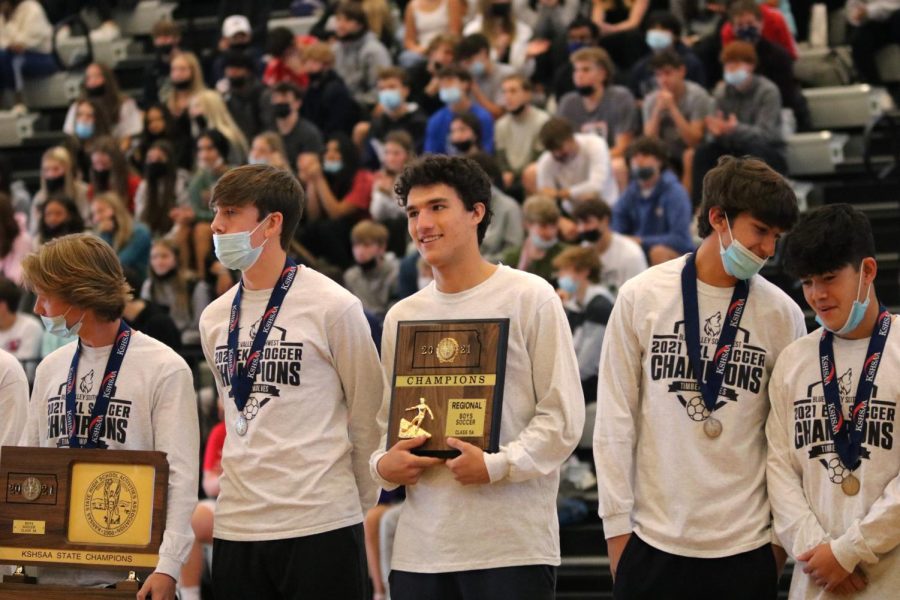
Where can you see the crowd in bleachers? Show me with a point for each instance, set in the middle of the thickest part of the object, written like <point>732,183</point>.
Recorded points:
<point>596,122</point>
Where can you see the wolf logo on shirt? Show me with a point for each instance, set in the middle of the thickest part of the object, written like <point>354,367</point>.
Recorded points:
<point>713,325</point>
<point>812,430</point>
<point>87,383</point>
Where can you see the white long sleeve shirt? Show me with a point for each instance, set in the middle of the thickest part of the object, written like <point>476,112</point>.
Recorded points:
<point>587,173</point>
<point>153,407</point>
<point>302,468</point>
<point>658,474</point>
<point>805,473</point>
<point>445,526</point>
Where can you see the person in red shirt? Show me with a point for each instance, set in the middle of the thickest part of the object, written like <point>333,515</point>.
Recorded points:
<point>774,29</point>
<point>286,63</point>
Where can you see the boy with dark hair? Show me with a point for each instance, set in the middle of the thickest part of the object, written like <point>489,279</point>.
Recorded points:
<point>397,114</point>
<point>682,402</point>
<point>474,53</point>
<point>663,35</point>
<point>621,258</point>
<point>20,333</point>
<point>654,210</point>
<point>244,93</point>
<point>447,201</point>
<point>298,134</point>
<point>832,463</point>
<point>676,111</point>
<point>574,166</point>
<point>455,87</point>
<point>327,101</point>
<point>292,355</point>
<point>358,53</point>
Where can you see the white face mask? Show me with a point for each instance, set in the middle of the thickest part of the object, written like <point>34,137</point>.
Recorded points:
<point>57,325</point>
<point>235,251</point>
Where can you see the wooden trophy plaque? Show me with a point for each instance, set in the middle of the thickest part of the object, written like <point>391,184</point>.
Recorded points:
<point>82,508</point>
<point>448,382</point>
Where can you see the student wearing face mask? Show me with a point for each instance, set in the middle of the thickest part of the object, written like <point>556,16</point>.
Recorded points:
<point>621,258</point>
<point>663,33</point>
<point>455,85</point>
<point>297,445</point>
<point>110,172</point>
<point>166,38</point>
<point>268,149</point>
<point>244,94</point>
<point>474,53</point>
<point>465,134</point>
<point>164,188</point>
<point>773,62</point>
<point>193,220</point>
<point>327,101</point>
<point>517,135</point>
<point>358,54</point>
<point>373,278</point>
<point>682,402</point>
<point>81,291</point>
<point>100,84</point>
<point>208,111</point>
<point>398,151</point>
<point>747,119</point>
<point>588,304</point>
<point>654,210</point>
<point>298,135</point>
<point>509,36</point>
<point>542,244</point>
<point>396,113</point>
<point>836,496</point>
<point>58,181</point>
<point>338,194</point>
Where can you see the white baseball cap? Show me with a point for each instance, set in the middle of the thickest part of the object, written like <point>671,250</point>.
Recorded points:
<point>234,25</point>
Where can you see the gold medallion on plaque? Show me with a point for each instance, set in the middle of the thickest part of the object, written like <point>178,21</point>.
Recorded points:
<point>413,429</point>
<point>31,488</point>
<point>447,350</point>
<point>111,504</point>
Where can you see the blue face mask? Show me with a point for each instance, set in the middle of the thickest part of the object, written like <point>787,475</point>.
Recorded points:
<point>575,46</point>
<point>390,99</point>
<point>857,311</point>
<point>257,161</point>
<point>332,166</point>
<point>542,244</point>
<point>477,69</point>
<point>57,325</point>
<point>450,95</point>
<point>235,251</point>
<point>737,259</point>
<point>737,77</point>
<point>658,39</point>
<point>83,130</point>
<point>568,284</point>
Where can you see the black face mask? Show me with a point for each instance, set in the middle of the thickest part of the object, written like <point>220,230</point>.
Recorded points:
<point>592,235</point>
<point>281,110</point>
<point>239,47</point>
<point>368,265</point>
<point>237,83</point>
<point>315,77</point>
<point>500,9</point>
<point>463,146</point>
<point>518,110</point>
<point>644,173</point>
<point>585,90</point>
<point>201,122</point>
<point>352,37</point>
<point>55,184</point>
<point>182,85</point>
<point>101,178</point>
<point>97,91</point>
<point>155,169</point>
<point>50,233</point>
<point>164,49</point>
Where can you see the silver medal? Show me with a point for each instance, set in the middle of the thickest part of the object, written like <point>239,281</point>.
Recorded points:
<point>712,428</point>
<point>240,425</point>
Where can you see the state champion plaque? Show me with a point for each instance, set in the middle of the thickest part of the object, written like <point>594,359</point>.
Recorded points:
<point>448,382</point>
<point>82,507</point>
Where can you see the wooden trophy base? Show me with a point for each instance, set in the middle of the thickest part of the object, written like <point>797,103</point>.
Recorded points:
<point>22,587</point>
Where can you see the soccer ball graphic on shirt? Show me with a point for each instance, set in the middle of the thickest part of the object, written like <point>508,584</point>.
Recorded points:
<point>837,472</point>
<point>696,409</point>
<point>251,408</point>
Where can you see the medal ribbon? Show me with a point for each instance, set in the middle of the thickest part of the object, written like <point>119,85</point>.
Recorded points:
<point>107,385</point>
<point>848,434</point>
<point>710,383</point>
<point>242,379</point>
